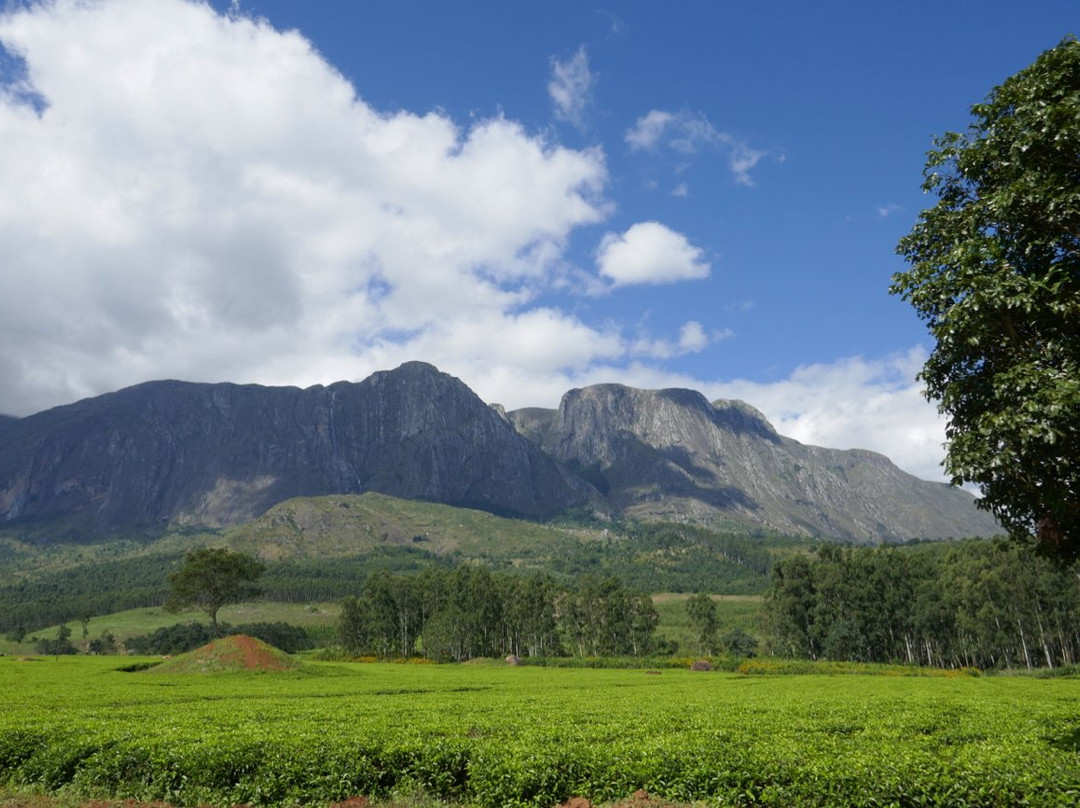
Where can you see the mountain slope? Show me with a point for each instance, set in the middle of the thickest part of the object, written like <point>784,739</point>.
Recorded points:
<point>671,454</point>
<point>214,454</point>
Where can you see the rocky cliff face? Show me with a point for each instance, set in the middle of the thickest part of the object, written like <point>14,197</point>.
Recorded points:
<point>672,454</point>
<point>213,454</point>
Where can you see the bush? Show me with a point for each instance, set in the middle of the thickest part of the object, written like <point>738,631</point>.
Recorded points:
<point>183,637</point>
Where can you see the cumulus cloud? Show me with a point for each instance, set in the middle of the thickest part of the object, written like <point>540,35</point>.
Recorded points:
<point>692,337</point>
<point>688,134</point>
<point>571,87</point>
<point>652,253</point>
<point>202,196</point>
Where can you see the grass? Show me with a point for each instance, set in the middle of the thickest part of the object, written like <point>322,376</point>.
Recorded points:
<point>321,527</point>
<point>497,735</point>
<point>135,622</point>
<point>732,611</point>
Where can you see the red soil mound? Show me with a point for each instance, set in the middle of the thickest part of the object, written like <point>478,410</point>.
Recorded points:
<point>236,653</point>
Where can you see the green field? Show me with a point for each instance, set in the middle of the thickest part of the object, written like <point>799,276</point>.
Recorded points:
<point>732,611</point>
<point>494,735</point>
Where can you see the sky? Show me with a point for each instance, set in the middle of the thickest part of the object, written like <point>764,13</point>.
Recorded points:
<point>531,196</point>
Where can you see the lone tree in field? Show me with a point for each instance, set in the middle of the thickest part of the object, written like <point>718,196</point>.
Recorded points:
<point>995,273</point>
<point>210,578</point>
<point>701,609</point>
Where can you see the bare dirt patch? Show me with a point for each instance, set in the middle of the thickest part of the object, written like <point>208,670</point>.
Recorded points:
<point>236,653</point>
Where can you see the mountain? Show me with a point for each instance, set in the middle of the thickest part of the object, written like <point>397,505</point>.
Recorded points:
<point>671,454</point>
<point>212,454</point>
<point>173,454</point>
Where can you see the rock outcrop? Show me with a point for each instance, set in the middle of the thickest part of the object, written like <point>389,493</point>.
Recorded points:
<point>672,454</point>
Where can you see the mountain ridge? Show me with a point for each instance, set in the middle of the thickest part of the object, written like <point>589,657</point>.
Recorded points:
<point>179,453</point>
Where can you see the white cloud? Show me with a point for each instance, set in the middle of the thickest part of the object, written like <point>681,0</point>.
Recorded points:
<point>692,337</point>
<point>571,87</point>
<point>204,197</point>
<point>855,403</point>
<point>687,134</point>
<point>884,211</point>
<point>649,252</point>
<point>647,131</point>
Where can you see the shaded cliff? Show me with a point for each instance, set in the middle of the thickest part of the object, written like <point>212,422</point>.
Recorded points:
<point>214,454</point>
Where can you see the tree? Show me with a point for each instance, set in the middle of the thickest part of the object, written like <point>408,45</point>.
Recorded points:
<point>701,609</point>
<point>61,645</point>
<point>995,273</point>
<point>212,577</point>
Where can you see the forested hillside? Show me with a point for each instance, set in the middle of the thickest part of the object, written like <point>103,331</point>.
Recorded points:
<point>322,549</point>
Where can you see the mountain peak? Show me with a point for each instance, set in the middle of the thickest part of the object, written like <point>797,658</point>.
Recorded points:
<point>670,454</point>
<point>213,454</point>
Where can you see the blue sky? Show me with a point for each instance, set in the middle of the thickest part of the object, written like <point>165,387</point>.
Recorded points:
<point>532,196</point>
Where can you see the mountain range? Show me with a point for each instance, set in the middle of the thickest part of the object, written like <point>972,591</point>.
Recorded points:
<point>169,453</point>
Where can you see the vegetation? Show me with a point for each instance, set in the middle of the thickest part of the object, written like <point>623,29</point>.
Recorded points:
<point>966,605</point>
<point>701,609</point>
<point>183,637</point>
<point>995,273</point>
<point>502,736</point>
<point>473,612</point>
<point>346,539</point>
<point>211,577</point>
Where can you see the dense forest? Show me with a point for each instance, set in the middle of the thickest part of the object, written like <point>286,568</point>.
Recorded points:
<point>980,604</point>
<point>473,612</point>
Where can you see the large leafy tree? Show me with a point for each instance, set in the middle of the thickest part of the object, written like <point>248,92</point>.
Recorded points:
<point>995,273</point>
<point>212,577</point>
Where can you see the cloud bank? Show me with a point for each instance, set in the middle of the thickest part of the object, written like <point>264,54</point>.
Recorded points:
<point>203,196</point>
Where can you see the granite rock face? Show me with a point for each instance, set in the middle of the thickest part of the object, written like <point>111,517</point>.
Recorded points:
<point>672,454</point>
<point>213,454</point>
<point>176,453</point>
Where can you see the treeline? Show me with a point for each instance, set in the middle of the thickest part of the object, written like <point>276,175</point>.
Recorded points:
<point>97,588</point>
<point>474,612</point>
<point>971,604</point>
<point>668,557</point>
<point>183,637</point>
<point>94,588</point>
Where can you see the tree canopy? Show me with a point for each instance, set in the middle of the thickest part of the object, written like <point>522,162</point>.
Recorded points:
<point>212,577</point>
<point>995,273</point>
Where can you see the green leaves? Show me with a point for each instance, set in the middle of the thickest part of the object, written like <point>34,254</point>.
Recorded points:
<point>212,577</point>
<point>500,736</point>
<point>995,273</point>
